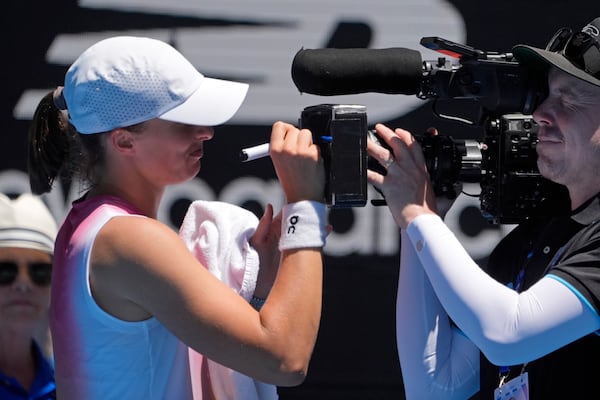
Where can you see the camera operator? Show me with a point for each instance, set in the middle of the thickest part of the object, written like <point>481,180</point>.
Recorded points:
<point>525,327</point>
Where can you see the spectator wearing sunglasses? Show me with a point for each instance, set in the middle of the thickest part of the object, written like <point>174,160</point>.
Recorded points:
<point>525,326</point>
<point>27,233</point>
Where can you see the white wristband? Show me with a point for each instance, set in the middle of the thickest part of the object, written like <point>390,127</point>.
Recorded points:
<point>303,225</point>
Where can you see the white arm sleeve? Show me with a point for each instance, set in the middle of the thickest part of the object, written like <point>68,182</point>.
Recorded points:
<point>509,327</point>
<point>437,361</point>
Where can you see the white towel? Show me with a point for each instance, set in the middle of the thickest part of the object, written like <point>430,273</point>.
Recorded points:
<point>218,235</point>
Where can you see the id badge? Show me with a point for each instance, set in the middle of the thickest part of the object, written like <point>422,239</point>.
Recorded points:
<point>515,389</point>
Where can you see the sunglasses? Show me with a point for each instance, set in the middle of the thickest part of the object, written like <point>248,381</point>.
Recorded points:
<point>40,273</point>
<point>580,48</point>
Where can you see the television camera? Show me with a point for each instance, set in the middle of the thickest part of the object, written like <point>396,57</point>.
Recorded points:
<point>502,159</point>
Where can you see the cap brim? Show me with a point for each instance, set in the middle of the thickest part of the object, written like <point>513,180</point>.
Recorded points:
<point>540,59</point>
<point>213,103</point>
<point>26,239</point>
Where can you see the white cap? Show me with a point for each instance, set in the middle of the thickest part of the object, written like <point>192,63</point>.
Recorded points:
<point>125,80</point>
<point>26,222</point>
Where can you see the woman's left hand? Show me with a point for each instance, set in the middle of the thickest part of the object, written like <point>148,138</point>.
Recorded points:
<point>266,242</point>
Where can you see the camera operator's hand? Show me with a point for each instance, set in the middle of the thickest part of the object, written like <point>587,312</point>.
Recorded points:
<point>298,163</point>
<point>406,187</point>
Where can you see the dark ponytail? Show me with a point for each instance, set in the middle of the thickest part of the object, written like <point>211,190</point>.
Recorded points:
<point>57,150</point>
<point>52,143</point>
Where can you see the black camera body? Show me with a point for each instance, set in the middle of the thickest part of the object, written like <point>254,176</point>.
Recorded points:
<point>512,188</point>
<point>503,161</point>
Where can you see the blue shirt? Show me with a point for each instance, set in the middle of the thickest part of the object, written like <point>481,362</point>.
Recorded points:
<point>43,387</point>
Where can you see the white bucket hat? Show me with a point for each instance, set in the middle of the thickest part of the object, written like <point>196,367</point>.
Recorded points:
<point>125,80</point>
<point>26,222</point>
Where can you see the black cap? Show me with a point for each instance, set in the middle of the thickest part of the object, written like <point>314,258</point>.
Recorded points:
<point>578,54</point>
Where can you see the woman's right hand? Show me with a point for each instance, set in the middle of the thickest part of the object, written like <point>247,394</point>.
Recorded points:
<point>297,162</point>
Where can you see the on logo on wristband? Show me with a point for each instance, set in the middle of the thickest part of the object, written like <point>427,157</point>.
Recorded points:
<point>293,221</point>
<point>311,215</point>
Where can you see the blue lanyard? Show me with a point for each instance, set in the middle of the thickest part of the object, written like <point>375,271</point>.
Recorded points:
<point>504,371</point>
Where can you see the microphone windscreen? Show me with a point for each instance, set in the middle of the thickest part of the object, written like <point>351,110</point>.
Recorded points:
<point>329,72</point>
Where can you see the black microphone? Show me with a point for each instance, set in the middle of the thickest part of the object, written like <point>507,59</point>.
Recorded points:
<point>330,72</point>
